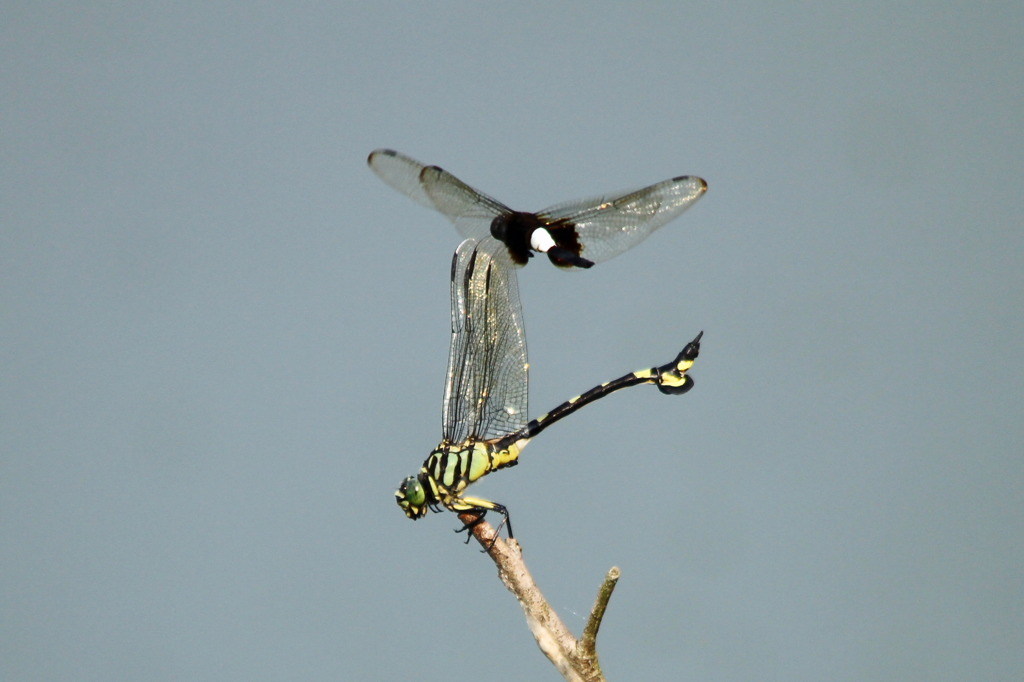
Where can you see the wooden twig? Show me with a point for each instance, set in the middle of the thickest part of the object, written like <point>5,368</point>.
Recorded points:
<point>575,659</point>
<point>588,642</point>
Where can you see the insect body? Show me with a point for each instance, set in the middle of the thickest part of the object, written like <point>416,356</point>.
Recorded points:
<point>484,416</point>
<point>573,234</point>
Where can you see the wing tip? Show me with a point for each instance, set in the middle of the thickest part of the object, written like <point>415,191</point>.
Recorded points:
<point>383,151</point>
<point>699,181</point>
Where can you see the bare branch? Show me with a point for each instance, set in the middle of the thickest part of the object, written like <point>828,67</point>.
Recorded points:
<point>588,642</point>
<point>575,659</point>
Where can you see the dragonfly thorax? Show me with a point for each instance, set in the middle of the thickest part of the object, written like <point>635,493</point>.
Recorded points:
<point>523,233</point>
<point>515,229</point>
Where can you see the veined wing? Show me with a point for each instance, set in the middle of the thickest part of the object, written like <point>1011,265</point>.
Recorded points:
<point>487,384</point>
<point>607,226</point>
<point>469,210</point>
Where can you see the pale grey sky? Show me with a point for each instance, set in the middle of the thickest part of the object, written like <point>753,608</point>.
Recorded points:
<point>224,339</point>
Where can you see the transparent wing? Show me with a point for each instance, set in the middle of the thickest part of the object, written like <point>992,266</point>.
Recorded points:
<point>469,210</point>
<point>487,383</point>
<point>607,226</point>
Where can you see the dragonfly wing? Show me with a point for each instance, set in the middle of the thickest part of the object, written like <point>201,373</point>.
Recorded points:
<point>469,210</point>
<point>487,384</point>
<point>607,226</point>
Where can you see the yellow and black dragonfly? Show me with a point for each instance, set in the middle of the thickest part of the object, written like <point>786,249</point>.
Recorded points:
<point>573,234</point>
<point>484,416</point>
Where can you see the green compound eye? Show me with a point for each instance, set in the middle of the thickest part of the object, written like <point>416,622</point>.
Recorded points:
<point>411,493</point>
<point>414,491</point>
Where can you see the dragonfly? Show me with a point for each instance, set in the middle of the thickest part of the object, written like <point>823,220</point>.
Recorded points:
<point>484,414</point>
<point>572,234</point>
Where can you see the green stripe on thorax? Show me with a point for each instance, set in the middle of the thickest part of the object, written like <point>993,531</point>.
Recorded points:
<point>454,467</point>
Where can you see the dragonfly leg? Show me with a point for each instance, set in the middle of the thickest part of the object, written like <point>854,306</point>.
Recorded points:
<point>468,526</point>
<point>480,507</point>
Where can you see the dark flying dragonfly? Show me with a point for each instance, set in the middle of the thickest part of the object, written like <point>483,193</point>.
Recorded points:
<point>572,234</point>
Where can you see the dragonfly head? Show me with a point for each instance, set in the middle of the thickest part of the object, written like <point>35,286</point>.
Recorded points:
<point>412,498</point>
